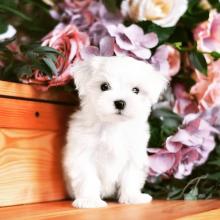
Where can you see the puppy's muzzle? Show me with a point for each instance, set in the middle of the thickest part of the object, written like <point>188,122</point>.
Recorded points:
<point>120,104</point>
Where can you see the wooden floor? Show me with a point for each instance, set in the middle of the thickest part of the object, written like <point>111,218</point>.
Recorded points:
<point>167,210</point>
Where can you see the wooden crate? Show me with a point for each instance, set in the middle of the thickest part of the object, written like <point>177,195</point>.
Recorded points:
<point>32,134</point>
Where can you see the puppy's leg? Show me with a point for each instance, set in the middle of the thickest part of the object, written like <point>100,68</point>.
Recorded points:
<point>86,187</point>
<point>131,184</point>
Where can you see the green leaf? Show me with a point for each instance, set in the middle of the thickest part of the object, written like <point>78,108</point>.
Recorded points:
<point>215,162</point>
<point>24,71</point>
<point>40,4</point>
<point>192,4</point>
<point>3,26</point>
<point>165,113</point>
<point>181,35</point>
<point>175,193</point>
<point>217,149</point>
<point>51,65</point>
<point>194,15</point>
<point>192,194</point>
<point>215,3</point>
<point>30,47</point>
<point>214,176</point>
<point>51,56</point>
<point>178,45</point>
<point>14,11</point>
<point>215,54</point>
<point>45,49</point>
<point>162,33</point>
<point>155,131</point>
<point>111,5</point>
<point>198,61</point>
<point>9,3</point>
<point>41,66</point>
<point>31,55</point>
<point>163,123</point>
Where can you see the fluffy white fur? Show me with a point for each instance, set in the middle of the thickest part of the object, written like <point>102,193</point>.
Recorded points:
<point>105,155</point>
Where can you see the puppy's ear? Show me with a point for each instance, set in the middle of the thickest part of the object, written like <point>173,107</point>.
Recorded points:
<point>157,83</point>
<point>82,72</point>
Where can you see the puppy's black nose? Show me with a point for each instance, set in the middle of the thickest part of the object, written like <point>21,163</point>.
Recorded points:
<point>120,104</point>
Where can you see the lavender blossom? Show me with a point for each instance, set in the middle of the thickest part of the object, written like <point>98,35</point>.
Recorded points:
<point>189,147</point>
<point>69,12</point>
<point>132,41</point>
<point>90,16</point>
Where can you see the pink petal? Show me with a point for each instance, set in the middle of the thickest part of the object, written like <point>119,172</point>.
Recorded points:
<point>149,40</point>
<point>142,53</point>
<point>124,42</point>
<point>89,52</point>
<point>120,52</point>
<point>73,50</point>
<point>161,163</point>
<point>106,46</point>
<point>133,32</point>
<point>173,146</point>
<point>215,28</point>
<point>209,45</point>
<point>112,29</point>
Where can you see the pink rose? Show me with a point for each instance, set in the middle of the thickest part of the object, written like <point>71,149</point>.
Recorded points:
<point>69,41</point>
<point>184,102</point>
<point>207,34</point>
<point>207,88</point>
<point>167,60</point>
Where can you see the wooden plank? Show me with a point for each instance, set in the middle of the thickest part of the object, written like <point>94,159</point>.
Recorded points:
<point>33,115</point>
<point>210,215</point>
<point>32,92</point>
<point>157,210</point>
<point>30,166</point>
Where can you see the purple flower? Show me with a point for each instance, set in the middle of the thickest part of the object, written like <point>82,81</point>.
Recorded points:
<point>132,41</point>
<point>189,147</point>
<point>105,49</point>
<point>103,17</point>
<point>89,15</point>
<point>74,13</point>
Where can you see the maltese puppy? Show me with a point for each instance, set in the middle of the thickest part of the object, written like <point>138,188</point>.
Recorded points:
<point>105,155</point>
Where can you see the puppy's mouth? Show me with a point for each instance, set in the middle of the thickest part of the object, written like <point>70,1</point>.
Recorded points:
<point>119,112</point>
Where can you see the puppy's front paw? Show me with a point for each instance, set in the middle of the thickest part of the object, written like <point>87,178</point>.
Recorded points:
<point>89,203</point>
<point>135,199</point>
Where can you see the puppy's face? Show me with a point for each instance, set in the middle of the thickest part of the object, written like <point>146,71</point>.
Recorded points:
<point>117,88</point>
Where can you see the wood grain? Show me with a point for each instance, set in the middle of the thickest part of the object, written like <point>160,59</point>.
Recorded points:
<point>32,92</point>
<point>32,133</point>
<point>157,210</point>
<point>30,166</point>
<point>33,115</point>
<point>212,215</point>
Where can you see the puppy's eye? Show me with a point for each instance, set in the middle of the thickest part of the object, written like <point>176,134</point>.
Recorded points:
<point>135,90</point>
<point>105,86</point>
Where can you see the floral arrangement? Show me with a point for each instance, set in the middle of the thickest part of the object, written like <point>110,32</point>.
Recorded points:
<point>41,40</point>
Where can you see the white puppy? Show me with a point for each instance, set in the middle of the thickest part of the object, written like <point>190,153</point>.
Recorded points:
<point>105,155</point>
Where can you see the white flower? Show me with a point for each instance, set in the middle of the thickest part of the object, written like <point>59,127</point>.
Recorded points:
<point>49,2</point>
<point>164,13</point>
<point>10,33</point>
